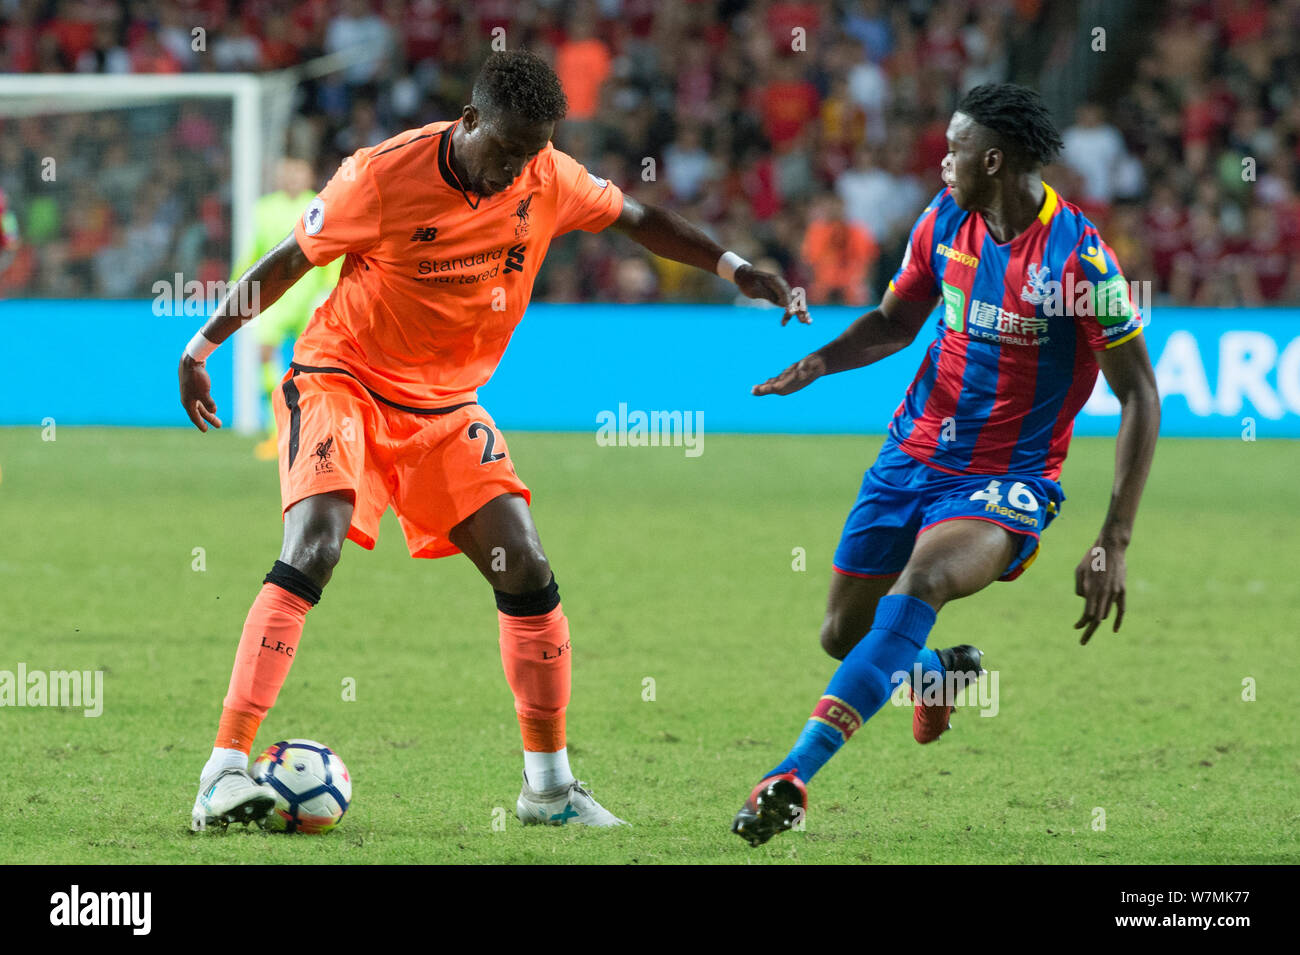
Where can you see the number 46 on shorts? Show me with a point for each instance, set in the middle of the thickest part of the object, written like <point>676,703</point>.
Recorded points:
<point>1018,496</point>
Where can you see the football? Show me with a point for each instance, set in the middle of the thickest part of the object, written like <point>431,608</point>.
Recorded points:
<point>312,786</point>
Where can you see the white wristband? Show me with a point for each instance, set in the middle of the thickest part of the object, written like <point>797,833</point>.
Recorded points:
<point>728,264</point>
<point>199,347</point>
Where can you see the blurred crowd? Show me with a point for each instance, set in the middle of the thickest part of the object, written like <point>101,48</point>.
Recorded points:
<point>804,135</point>
<point>108,202</point>
<point>1211,114</point>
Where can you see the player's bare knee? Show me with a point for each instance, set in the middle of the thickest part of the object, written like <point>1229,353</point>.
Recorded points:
<point>323,557</point>
<point>933,584</point>
<point>534,573</point>
<point>534,590</point>
<point>315,554</point>
<point>528,572</point>
<point>834,640</point>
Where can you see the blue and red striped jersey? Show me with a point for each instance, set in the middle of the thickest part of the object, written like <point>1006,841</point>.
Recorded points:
<point>1013,362</point>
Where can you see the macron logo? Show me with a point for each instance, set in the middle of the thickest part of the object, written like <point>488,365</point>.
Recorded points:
<point>102,908</point>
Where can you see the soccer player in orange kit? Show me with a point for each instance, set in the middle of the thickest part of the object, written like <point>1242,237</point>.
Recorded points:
<point>444,229</point>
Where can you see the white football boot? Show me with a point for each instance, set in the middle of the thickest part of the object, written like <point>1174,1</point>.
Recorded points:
<point>568,805</point>
<point>230,796</point>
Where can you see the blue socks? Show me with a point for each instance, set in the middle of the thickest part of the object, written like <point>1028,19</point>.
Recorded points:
<point>864,681</point>
<point>928,660</point>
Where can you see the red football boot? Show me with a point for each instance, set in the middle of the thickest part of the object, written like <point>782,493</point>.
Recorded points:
<point>931,720</point>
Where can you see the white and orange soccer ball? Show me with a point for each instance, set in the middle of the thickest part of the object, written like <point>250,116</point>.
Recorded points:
<point>312,786</point>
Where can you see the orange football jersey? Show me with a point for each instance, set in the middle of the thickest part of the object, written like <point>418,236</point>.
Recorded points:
<point>435,278</point>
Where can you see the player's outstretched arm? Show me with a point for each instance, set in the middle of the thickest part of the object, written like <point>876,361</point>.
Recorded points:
<point>1100,577</point>
<point>876,335</point>
<point>667,234</point>
<point>267,279</point>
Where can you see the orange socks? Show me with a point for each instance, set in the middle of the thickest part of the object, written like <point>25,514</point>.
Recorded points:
<point>237,730</point>
<point>266,649</point>
<point>535,654</point>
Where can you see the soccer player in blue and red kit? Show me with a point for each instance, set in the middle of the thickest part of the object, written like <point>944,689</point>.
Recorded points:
<point>1031,303</point>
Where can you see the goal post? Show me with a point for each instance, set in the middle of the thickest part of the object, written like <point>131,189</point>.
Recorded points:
<point>47,94</point>
<point>261,109</point>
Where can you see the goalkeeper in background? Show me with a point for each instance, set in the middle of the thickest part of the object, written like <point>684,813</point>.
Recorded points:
<point>8,234</point>
<point>273,216</point>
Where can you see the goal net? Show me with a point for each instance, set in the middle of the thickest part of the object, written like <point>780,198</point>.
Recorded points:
<point>128,184</point>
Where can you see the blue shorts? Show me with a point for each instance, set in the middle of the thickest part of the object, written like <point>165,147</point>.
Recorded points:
<point>901,497</point>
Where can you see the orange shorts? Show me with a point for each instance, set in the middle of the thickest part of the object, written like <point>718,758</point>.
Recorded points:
<point>435,468</point>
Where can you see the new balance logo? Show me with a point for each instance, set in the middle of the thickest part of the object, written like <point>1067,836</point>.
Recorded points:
<point>515,258</point>
<point>425,234</point>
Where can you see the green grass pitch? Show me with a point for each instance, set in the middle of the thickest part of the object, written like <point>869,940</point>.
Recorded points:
<point>674,570</point>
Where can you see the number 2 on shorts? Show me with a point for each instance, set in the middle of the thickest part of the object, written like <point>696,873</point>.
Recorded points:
<point>489,442</point>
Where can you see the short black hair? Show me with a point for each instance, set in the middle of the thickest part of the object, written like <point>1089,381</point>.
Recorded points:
<point>1019,117</point>
<point>520,83</point>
